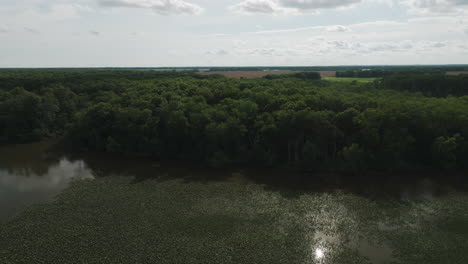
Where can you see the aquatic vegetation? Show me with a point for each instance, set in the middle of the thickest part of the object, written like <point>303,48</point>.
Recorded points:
<point>115,220</point>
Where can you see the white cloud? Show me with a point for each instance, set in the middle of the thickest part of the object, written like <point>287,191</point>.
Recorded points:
<point>337,28</point>
<point>45,12</point>
<point>162,7</point>
<point>289,30</point>
<point>340,48</point>
<point>356,48</point>
<point>383,47</point>
<point>31,30</point>
<point>284,7</point>
<point>318,4</point>
<point>438,45</point>
<point>240,43</point>
<point>220,52</point>
<point>375,42</point>
<point>261,6</point>
<point>126,33</point>
<point>264,52</point>
<point>261,52</point>
<point>436,6</point>
<point>66,11</point>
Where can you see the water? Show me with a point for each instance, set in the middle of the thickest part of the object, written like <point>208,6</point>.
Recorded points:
<point>33,173</point>
<point>333,217</point>
<point>28,176</point>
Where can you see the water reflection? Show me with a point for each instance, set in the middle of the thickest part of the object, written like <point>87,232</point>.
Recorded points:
<point>424,189</point>
<point>376,252</point>
<point>28,177</point>
<point>34,174</point>
<point>319,253</point>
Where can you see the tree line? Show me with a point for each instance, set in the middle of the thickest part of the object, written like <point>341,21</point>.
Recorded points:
<point>367,73</point>
<point>434,85</point>
<point>291,122</point>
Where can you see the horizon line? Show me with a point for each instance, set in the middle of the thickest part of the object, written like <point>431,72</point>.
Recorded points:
<point>258,66</point>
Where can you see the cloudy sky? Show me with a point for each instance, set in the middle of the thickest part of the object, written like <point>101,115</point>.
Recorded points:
<point>129,33</point>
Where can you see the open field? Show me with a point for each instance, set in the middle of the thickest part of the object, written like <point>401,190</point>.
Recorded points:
<point>456,72</point>
<point>327,73</point>
<point>349,79</point>
<point>260,74</point>
<point>246,74</point>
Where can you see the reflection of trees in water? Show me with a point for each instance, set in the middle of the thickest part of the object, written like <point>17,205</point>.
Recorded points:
<point>28,159</point>
<point>33,173</point>
<point>142,168</point>
<point>289,183</point>
<point>57,177</point>
<point>37,159</point>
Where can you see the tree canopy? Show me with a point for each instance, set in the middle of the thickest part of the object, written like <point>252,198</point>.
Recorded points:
<point>291,121</point>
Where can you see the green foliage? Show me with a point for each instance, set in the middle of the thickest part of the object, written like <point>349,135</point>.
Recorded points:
<point>283,121</point>
<point>444,151</point>
<point>364,73</point>
<point>298,75</point>
<point>27,116</point>
<point>354,157</point>
<point>351,80</point>
<point>436,85</point>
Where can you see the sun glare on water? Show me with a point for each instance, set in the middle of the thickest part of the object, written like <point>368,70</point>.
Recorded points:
<point>319,254</point>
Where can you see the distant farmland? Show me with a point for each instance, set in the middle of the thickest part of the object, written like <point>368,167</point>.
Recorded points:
<point>456,72</point>
<point>260,74</point>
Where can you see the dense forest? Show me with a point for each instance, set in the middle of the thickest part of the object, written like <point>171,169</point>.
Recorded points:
<point>437,85</point>
<point>410,122</point>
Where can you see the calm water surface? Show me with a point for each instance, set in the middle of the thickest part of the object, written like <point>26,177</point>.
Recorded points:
<point>29,175</point>
<point>32,173</point>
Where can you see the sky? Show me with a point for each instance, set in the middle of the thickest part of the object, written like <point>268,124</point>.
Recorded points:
<point>169,33</point>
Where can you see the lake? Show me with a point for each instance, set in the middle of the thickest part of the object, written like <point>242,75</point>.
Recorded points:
<point>95,208</point>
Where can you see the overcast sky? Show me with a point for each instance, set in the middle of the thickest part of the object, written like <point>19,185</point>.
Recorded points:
<point>145,33</point>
